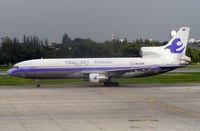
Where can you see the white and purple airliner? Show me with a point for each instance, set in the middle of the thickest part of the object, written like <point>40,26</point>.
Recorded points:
<point>154,60</point>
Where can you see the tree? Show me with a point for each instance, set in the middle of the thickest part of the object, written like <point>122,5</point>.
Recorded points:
<point>193,54</point>
<point>31,47</point>
<point>66,39</point>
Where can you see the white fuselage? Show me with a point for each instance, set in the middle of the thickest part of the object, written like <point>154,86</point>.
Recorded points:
<point>80,68</point>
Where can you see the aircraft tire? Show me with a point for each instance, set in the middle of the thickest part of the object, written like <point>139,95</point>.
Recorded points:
<point>38,85</point>
<point>116,84</point>
<point>106,83</point>
<point>111,84</point>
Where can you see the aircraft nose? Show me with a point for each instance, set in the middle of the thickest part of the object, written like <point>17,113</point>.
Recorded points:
<point>11,72</point>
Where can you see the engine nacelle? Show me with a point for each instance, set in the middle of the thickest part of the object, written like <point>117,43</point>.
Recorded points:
<point>97,78</point>
<point>152,51</point>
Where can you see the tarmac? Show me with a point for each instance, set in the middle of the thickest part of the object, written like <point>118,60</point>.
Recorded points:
<point>98,108</point>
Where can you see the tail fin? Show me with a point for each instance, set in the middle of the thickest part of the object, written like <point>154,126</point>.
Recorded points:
<point>175,49</point>
<point>178,44</point>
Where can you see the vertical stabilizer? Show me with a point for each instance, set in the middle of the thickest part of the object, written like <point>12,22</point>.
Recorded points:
<point>178,44</point>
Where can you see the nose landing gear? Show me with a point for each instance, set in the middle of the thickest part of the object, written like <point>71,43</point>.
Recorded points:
<point>37,83</point>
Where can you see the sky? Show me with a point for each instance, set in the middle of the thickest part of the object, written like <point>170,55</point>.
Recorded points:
<point>98,19</point>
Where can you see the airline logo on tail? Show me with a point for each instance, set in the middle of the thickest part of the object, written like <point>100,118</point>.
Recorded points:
<point>177,46</point>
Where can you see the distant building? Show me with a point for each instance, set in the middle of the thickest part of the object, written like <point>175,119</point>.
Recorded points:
<point>193,40</point>
<point>113,37</point>
<point>121,40</point>
<point>173,33</point>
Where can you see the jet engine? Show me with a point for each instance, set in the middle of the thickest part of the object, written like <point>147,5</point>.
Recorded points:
<point>152,52</point>
<point>97,78</point>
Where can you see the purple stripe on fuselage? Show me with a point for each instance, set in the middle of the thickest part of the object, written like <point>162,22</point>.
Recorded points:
<point>32,69</point>
<point>54,69</point>
<point>70,69</point>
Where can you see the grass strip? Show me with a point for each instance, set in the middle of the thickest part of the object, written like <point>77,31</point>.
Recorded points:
<point>193,77</point>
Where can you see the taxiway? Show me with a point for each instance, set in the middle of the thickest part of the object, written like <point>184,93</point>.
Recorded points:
<point>80,107</point>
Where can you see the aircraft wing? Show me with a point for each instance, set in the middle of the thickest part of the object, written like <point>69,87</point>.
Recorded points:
<point>122,70</point>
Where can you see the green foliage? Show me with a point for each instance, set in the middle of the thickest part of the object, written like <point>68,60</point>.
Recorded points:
<point>31,47</point>
<point>13,81</point>
<point>193,54</point>
<point>163,78</point>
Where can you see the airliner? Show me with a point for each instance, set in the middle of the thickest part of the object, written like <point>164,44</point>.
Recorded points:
<point>153,61</point>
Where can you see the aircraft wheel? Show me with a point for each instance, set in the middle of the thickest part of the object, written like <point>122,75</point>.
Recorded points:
<point>37,85</point>
<point>110,83</point>
<point>106,83</point>
<point>116,84</point>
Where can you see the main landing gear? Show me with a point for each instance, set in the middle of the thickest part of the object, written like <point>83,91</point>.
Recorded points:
<point>110,83</point>
<point>37,84</point>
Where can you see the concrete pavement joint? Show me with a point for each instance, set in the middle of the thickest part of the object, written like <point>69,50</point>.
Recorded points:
<point>89,109</point>
<point>173,108</point>
<point>20,121</point>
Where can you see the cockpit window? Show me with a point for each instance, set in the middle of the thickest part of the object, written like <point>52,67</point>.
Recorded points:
<point>15,67</point>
